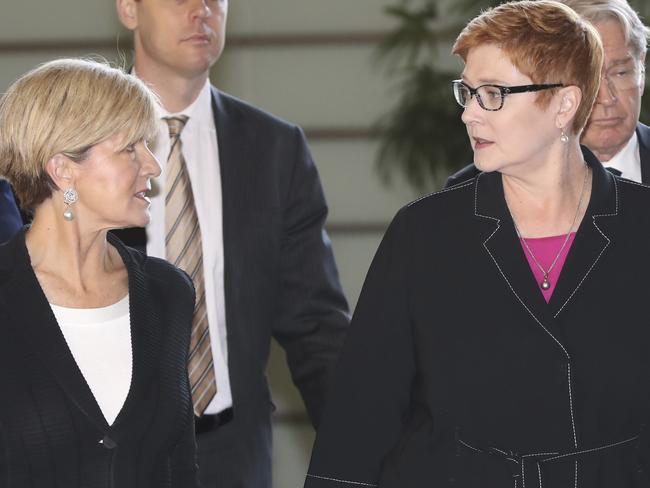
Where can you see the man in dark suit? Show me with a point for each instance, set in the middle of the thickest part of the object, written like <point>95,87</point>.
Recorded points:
<point>613,133</point>
<point>10,220</point>
<point>267,263</point>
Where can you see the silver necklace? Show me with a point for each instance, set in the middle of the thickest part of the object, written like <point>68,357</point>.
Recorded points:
<point>545,285</point>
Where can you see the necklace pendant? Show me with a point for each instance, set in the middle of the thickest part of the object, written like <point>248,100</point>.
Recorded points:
<point>545,284</point>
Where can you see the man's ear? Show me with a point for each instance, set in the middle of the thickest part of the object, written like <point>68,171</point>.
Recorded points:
<point>570,98</point>
<point>128,13</point>
<point>59,169</point>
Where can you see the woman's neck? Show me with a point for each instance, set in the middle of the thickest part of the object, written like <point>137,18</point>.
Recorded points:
<point>550,200</point>
<point>76,267</point>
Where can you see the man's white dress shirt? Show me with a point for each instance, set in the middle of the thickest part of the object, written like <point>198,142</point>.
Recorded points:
<point>201,153</point>
<point>627,160</point>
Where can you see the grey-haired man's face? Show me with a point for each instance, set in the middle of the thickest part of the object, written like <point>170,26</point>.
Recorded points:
<point>616,111</point>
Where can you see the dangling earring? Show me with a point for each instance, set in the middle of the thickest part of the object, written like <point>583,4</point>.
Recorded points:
<point>70,196</point>
<point>564,138</point>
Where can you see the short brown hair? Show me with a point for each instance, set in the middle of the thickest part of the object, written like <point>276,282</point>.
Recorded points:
<point>66,107</point>
<point>546,41</point>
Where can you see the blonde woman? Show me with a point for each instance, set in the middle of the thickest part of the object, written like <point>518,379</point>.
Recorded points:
<point>93,335</point>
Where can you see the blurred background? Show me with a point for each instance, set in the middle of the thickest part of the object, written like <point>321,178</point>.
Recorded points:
<point>369,82</point>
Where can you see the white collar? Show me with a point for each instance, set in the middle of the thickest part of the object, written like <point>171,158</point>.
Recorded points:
<point>199,111</point>
<point>627,160</point>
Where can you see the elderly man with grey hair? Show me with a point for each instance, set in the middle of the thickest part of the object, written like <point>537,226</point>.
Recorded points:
<point>613,133</point>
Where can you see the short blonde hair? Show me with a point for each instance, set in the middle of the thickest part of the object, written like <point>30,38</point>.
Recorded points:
<point>546,41</point>
<point>66,107</point>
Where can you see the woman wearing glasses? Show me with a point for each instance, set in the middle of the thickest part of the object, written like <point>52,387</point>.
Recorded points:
<point>501,337</point>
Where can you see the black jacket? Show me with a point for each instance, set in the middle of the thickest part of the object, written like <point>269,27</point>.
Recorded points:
<point>457,373</point>
<point>52,432</point>
<point>280,278</point>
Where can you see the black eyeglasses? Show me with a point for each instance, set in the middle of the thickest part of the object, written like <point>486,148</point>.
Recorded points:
<point>491,97</point>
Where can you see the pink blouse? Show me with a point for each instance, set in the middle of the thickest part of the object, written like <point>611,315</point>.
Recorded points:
<point>545,249</point>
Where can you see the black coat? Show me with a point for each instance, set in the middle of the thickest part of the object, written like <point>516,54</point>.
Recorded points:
<point>52,432</point>
<point>279,275</point>
<point>457,373</point>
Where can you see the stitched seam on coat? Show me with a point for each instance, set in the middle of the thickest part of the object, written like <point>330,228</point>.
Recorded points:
<point>540,454</point>
<point>356,483</point>
<point>594,449</point>
<point>444,190</point>
<point>573,425</point>
<point>630,182</point>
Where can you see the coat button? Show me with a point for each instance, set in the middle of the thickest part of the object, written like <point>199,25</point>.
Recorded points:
<point>108,443</point>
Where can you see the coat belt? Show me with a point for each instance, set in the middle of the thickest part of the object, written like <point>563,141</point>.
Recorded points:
<point>527,469</point>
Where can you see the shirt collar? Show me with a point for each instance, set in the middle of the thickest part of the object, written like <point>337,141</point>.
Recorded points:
<point>627,160</point>
<point>199,111</point>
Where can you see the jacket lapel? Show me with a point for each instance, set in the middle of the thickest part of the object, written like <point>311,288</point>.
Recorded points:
<point>505,251</point>
<point>37,324</point>
<point>592,239</point>
<point>145,329</point>
<point>235,184</point>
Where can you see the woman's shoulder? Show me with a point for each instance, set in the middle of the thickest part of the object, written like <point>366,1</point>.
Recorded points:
<point>451,200</point>
<point>632,196</point>
<point>165,272</point>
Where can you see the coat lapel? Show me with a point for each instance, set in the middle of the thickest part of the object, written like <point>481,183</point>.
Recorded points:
<point>235,184</point>
<point>37,324</point>
<point>592,239</point>
<point>505,251</point>
<point>145,330</point>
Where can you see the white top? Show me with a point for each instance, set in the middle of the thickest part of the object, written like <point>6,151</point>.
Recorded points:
<point>201,152</point>
<point>100,342</point>
<point>628,160</point>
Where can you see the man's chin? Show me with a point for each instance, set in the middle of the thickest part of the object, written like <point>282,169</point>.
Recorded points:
<point>606,142</point>
<point>199,60</point>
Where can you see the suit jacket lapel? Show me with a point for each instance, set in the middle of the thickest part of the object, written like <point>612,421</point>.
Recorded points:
<point>643,134</point>
<point>35,321</point>
<point>504,249</point>
<point>232,144</point>
<point>145,329</point>
<point>592,239</point>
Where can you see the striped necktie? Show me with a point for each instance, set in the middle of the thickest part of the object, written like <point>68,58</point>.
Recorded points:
<point>183,249</point>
